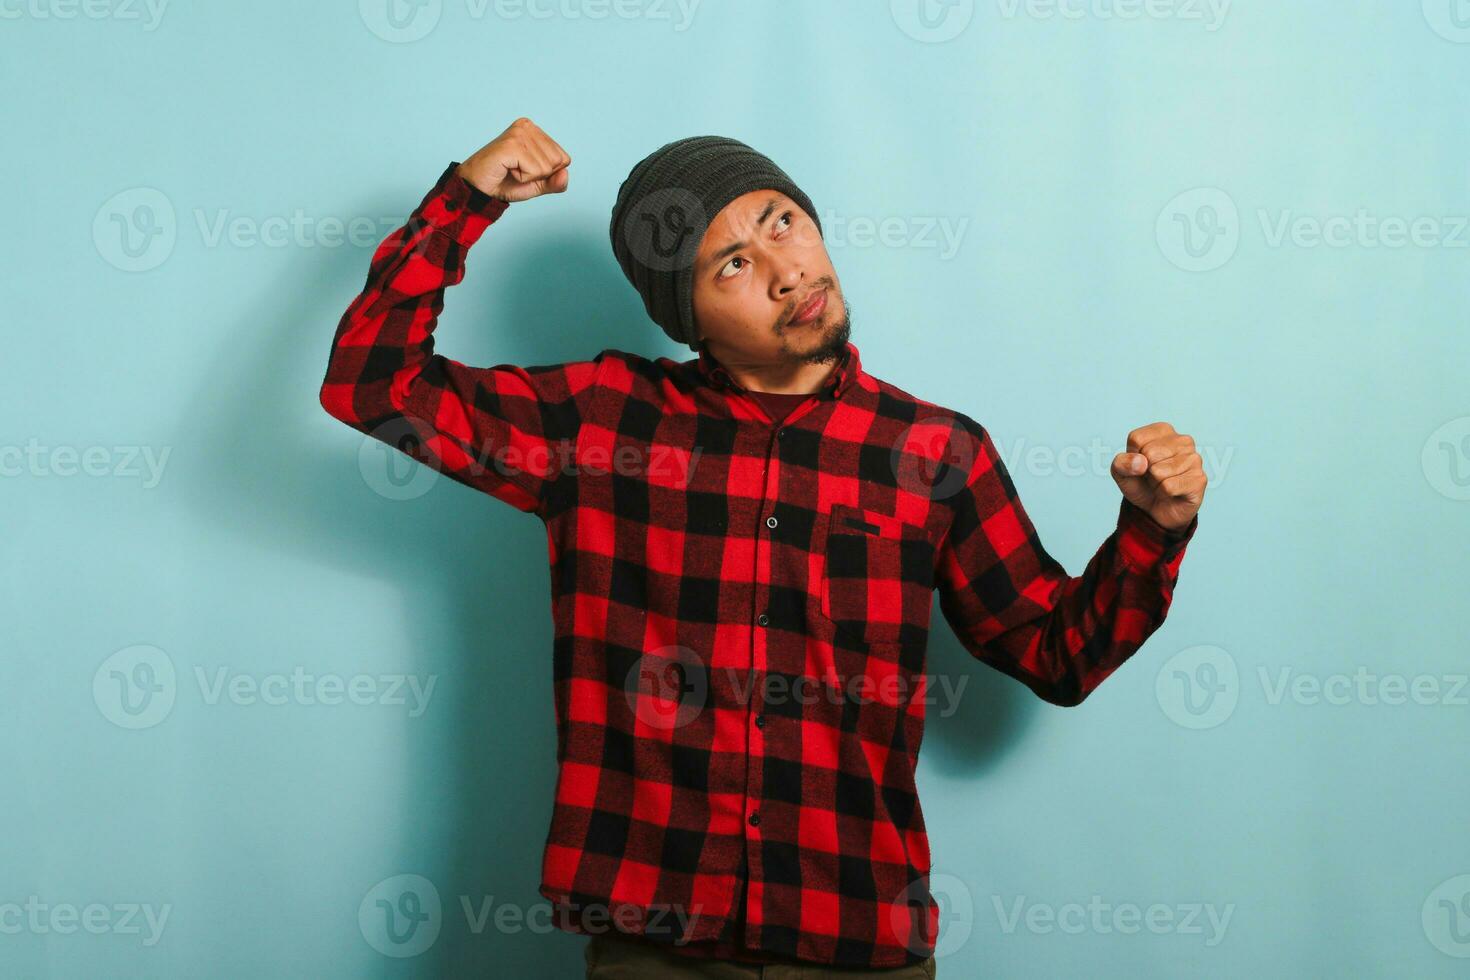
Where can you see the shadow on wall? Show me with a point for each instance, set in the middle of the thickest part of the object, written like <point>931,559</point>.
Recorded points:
<point>472,571</point>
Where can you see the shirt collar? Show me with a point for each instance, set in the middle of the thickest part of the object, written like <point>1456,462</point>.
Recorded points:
<point>842,377</point>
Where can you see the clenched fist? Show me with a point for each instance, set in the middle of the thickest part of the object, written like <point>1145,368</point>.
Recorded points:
<point>1161,474</point>
<point>519,164</point>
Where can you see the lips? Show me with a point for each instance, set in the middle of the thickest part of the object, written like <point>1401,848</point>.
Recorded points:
<point>812,308</point>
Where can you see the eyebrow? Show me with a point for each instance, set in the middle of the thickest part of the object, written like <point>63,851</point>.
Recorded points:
<point>737,246</point>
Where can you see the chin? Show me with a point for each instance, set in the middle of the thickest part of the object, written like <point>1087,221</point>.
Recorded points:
<point>829,342</point>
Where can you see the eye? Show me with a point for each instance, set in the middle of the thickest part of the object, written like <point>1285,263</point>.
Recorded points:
<point>787,217</point>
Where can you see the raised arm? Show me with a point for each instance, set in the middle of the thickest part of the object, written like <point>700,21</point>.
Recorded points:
<point>504,430</point>
<point>1015,608</point>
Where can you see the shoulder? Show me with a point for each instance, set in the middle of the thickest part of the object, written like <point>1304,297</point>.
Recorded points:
<point>938,450</point>
<point>896,403</point>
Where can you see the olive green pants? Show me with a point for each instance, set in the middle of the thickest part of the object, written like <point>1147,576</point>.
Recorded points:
<point>612,957</point>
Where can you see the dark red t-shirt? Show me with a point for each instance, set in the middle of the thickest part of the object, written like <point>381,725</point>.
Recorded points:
<point>777,404</point>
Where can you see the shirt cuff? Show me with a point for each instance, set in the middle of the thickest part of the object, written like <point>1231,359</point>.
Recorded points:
<point>459,208</point>
<point>1147,545</point>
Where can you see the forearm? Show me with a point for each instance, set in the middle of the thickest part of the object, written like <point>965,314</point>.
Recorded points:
<point>1079,630</point>
<point>1015,608</point>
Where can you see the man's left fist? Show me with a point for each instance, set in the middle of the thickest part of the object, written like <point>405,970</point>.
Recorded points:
<point>1161,474</point>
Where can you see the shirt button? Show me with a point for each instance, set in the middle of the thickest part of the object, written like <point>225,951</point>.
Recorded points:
<point>760,721</point>
<point>780,433</point>
<point>755,819</point>
<point>763,619</point>
<point>771,521</point>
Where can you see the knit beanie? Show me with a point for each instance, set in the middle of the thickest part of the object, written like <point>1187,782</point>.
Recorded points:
<point>665,206</point>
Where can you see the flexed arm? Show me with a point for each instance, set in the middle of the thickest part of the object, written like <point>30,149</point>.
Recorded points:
<point>1015,608</point>
<point>504,430</point>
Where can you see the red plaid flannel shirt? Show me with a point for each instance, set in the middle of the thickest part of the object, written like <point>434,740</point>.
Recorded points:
<point>741,610</point>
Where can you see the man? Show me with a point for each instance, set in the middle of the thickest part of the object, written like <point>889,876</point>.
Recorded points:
<point>745,548</point>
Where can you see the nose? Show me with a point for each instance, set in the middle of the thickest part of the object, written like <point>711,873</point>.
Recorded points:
<point>786,279</point>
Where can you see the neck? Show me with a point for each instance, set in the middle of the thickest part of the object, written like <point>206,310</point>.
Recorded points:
<point>786,377</point>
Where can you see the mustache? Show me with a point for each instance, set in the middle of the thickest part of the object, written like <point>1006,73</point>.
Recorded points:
<point>786,317</point>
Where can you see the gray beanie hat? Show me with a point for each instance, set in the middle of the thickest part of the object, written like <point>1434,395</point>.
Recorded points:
<point>666,204</point>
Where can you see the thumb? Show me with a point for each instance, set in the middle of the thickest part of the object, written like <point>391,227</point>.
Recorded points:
<point>1129,471</point>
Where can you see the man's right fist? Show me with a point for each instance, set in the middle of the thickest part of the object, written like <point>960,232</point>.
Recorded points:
<point>519,164</point>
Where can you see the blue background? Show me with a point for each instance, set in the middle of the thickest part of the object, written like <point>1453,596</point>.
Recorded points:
<point>1118,186</point>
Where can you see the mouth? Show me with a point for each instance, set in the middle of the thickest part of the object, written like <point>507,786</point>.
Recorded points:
<point>811,309</point>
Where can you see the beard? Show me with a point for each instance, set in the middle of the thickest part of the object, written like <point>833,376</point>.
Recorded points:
<point>831,345</point>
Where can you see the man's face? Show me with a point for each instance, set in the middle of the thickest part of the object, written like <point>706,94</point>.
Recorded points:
<point>761,260</point>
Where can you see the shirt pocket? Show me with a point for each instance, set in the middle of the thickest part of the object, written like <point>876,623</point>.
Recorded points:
<point>878,576</point>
